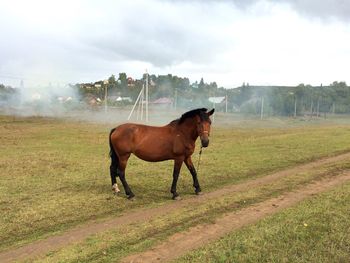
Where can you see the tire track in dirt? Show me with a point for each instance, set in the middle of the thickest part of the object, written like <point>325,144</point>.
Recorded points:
<point>79,233</point>
<point>181,243</point>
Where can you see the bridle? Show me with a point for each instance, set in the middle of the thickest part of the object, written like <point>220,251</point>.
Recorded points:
<point>203,132</point>
<point>200,151</point>
<point>199,159</point>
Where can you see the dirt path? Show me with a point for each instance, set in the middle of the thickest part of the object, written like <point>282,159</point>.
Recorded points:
<point>180,243</point>
<point>41,247</point>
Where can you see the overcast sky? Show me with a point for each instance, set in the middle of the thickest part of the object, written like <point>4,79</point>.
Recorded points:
<point>284,42</point>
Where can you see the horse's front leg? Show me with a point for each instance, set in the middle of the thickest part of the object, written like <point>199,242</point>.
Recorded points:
<point>176,173</point>
<point>190,166</point>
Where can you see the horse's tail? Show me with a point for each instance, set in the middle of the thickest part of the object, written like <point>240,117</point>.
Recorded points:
<point>112,153</point>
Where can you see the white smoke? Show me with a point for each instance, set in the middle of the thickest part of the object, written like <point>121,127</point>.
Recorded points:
<point>49,100</point>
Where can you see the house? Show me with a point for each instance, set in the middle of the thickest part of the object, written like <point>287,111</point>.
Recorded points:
<point>64,99</point>
<point>92,100</point>
<point>131,82</point>
<point>126,99</point>
<point>163,101</point>
<point>217,100</point>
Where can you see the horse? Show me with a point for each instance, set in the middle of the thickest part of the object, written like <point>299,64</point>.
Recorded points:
<point>174,141</point>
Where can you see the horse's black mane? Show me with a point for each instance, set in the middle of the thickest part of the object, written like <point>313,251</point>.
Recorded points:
<point>190,114</point>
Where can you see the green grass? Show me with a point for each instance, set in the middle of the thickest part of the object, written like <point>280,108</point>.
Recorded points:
<point>112,245</point>
<point>317,230</point>
<point>54,173</point>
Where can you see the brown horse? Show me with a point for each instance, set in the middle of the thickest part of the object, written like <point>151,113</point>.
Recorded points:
<point>175,141</point>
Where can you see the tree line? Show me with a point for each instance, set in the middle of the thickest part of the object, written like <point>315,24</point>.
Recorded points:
<point>292,101</point>
<point>278,100</point>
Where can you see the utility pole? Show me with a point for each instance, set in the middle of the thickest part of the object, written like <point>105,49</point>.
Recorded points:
<point>139,106</point>
<point>262,108</point>
<point>137,101</point>
<point>105,83</point>
<point>146,96</point>
<point>295,106</point>
<point>175,100</point>
<point>311,108</point>
<point>226,103</point>
<point>213,116</point>
<point>142,99</point>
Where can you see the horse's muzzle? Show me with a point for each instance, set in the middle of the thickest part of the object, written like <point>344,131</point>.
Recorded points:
<point>205,142</point>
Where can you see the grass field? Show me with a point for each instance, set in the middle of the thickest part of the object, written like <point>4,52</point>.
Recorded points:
<point>316,230</point>
<point>54,175</point>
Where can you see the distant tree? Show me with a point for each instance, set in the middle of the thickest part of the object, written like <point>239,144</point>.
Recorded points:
<point>244,94</point>
<point>123,82</point>
<point>342,97</point>
<point>201,84</point>
<point>112,80</point>
<point>112,85</point>
<point>213,86</point>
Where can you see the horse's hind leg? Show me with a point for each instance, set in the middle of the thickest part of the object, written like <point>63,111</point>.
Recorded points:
<point>176,172</point>
<point>114,171</point>
<point>121,169</point>
<point>114,174</point>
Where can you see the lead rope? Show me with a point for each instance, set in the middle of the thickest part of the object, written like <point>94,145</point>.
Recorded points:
<point>199,159</point>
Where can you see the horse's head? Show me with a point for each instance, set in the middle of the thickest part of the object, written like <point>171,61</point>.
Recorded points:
<point>203,126</point>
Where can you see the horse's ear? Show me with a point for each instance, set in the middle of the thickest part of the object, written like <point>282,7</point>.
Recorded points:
<point>211,112</point>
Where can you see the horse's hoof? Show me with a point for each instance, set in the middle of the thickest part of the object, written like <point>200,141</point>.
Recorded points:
<point>131,197</point>
<point>176,197</point>
<point>115,188</point>
<point>198,193</point>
